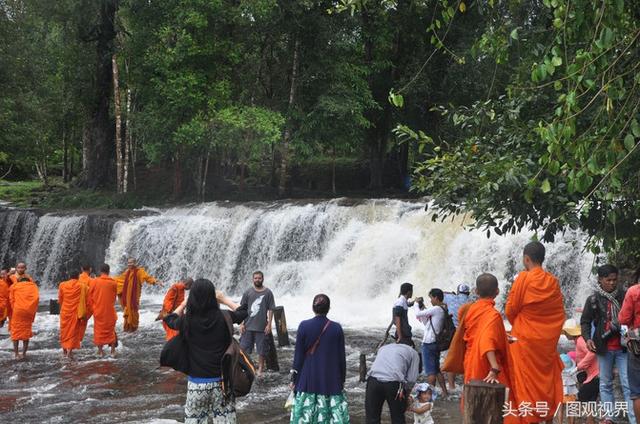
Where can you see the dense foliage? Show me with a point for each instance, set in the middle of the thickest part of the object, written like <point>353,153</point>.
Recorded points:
<point>523,113</point>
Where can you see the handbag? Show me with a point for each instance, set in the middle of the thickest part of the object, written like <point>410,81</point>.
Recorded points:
<point>175,354</point>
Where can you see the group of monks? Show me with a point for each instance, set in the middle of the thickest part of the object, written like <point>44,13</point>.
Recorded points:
<point>80,298</point>
<point>526,360</point>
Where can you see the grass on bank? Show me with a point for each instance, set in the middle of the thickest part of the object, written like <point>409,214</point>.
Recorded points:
<point>58,195</point>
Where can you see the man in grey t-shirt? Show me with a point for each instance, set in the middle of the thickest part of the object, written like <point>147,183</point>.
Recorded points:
<point>260,304</point>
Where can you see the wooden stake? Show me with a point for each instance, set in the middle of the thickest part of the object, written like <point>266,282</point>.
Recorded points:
<point>281,326</point>
<point>483,403</point>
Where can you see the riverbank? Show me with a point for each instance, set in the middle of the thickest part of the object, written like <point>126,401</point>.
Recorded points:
<point>59,196</point>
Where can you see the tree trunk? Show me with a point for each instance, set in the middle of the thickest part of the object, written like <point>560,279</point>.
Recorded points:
<point>204,176</point>
<point>118,127</point>
<point>177,178</point>
<point>333,169</point>
<point>98,143</point>
<point>242,170</point>
<point>284,171</point>
<point>65,155</point>
<point>127,144</point>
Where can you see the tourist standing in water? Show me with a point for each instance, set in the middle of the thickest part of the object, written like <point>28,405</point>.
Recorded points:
<point>23,301</point>
<point>129,290</point>
<point>174,297</point>
<point>535,310</point>
<point>4,296</point>
<point>433,320</point>
<point>392,375</point>
<point>69,293</point>
<point>103,294</point>
<point>601,312</point>
<point>319,369</point>
<point>207,337</point>
<point>400,317</point>
<point>260,304</point>
<point>630,316</point>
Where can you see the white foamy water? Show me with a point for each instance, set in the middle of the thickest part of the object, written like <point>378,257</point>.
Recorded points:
<point>357,254</point>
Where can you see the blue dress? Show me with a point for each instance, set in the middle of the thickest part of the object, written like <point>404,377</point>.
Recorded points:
<point>319,383</point>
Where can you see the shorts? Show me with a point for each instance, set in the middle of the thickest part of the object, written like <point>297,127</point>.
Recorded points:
<point>633,374</point>
<point>249,338</point>
<point>589,392</point>
<point>430,359</point>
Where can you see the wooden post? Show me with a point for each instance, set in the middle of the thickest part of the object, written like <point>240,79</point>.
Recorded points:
<point>483,403</point>
<point>281,326</point>
<point>271,358</point>
<point>54,307</point>
<point>363,367</point>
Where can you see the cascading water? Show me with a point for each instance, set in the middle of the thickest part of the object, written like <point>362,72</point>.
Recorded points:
<point>358,254</point>
<point>54,239</point>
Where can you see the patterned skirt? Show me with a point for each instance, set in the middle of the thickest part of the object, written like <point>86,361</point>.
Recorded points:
<point>206,400</point>
<point>316,409</point>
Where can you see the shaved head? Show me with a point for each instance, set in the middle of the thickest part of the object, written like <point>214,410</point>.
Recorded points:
<point>535,251</point>
<point>188,282</point>
<point>487,286</point>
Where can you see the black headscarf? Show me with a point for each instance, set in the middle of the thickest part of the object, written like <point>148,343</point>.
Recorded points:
<point>202,302</point>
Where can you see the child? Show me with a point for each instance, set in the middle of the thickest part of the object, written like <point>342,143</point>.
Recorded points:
<point>423,404</point>
<point>569,383</point>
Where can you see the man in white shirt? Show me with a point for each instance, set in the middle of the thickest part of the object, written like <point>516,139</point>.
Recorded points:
<point>433,320</point>
<point>392,375</point>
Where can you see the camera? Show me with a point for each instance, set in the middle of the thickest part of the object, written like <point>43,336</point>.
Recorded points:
<point>613,329</point>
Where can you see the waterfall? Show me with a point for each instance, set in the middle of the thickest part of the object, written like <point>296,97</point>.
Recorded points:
<point>54,247</point>
<point>358,254</point>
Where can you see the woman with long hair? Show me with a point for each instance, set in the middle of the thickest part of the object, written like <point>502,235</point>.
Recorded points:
<point>319,369</point>
<point>206,335</point>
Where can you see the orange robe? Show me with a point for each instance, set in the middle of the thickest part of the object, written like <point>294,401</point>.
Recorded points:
<point>84,305</point>
<point>536,311</point>
<point>129,290</point>
<point>23,299</point>
<point>4,301</point>
<point>13,278</point>
<point>173,298</point>
<point>69,299</point>
<point>103,294</point>
<point>484,332</point>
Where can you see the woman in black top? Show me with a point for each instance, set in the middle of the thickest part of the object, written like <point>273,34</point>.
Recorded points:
<point>207,337</point>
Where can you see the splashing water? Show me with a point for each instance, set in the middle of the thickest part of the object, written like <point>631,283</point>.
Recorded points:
<point>357,254</point>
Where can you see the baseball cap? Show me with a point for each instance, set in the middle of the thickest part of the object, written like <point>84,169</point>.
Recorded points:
<point>463,288</point>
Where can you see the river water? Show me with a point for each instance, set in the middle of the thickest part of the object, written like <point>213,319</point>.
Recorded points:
<point>357,252</point>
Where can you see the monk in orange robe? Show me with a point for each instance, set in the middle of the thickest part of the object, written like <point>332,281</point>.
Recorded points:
<point>21,273</point>
<point>23,300</point>
<point>129,290</point>
<point>535,310</point>
<point>69,300</point>
<point>486,342</point>
<point>4,296</point>
<point>173,299</point>
<point>84,306</point>
<point>103,293</point>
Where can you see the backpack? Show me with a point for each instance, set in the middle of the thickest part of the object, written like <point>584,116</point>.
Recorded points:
<point>238,372</point>
<point>444,337</point>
